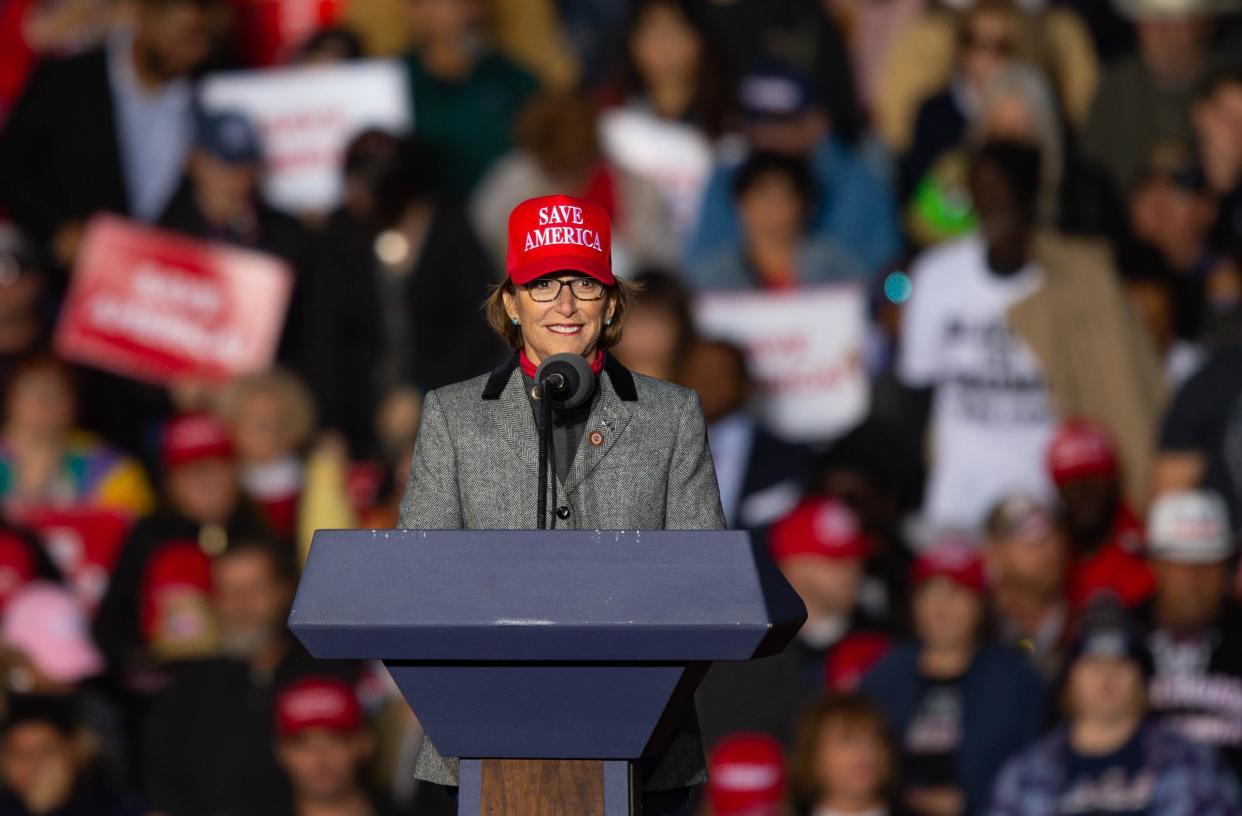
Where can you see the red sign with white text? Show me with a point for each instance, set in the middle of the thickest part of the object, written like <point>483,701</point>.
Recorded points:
<point>157,306</point>
<point>83,542</point>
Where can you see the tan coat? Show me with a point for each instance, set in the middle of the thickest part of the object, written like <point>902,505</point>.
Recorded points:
<point>1097,359</point>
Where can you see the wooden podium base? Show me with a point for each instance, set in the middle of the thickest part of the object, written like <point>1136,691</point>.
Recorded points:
<point>547,787</point>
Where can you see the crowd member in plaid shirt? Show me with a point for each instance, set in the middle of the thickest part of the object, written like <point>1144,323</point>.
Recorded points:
<point>1109,758</point>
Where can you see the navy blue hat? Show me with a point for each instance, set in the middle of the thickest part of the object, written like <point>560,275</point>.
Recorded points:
<point>1107,630</point>
<point>230,137</point>
<point>775,91</point>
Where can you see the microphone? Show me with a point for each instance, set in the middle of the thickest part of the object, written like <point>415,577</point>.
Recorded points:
<point>565,380</point>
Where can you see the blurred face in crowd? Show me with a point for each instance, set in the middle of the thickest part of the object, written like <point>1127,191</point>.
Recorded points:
<point>1189,596</point>
<point>172,38</point>
<point>1218,126</point>
<point>566,324</point>
<point>989,42</point>
<point>204,490</point>
<point>1033,563</point>
<point>1106,689</point>
<point>828,586</point>
<point>1173,49</point>
<point>877,510</point>
<point>225,190</point>
<point>1173,218</point>
<point>665,47</point>
<point>852,762</point>
<point>323,764</point>
<point>771,210</point>
<point>651,340</point>
<point>1003,218</point>
<point>33,755</point>
<point>1090,504</point>
<point>947,615</point>
<point>713,370</point>
<point>443,21</point>
<point>41,403</point>
<point>252,600</point>
<point>262,427</point>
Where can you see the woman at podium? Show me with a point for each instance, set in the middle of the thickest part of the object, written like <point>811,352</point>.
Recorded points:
<point>632,455</point>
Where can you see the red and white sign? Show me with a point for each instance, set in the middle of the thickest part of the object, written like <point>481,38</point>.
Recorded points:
<point>84,543</point>
<point>157,306</point>
<point>306,117</point>
<point>806,352</point>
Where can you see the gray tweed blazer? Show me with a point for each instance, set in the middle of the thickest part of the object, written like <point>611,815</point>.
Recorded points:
<point>475,466</point>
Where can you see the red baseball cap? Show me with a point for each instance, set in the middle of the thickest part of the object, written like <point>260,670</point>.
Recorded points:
<point>746,775</point>
<point>952,558</point>
<point>176,566</point>
<point>824,527</point>
<point>847,662</point>
<point>317,702</point>
<point>556,233</point>
<point>191,437</point>
<point>1081,448</point>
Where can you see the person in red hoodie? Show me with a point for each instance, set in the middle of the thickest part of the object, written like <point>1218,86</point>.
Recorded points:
<point>1105,536</point>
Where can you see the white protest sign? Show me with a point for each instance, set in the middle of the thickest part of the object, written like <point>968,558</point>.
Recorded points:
<point>306,116</point>
<point>674,157</point>
<point>806,352</point>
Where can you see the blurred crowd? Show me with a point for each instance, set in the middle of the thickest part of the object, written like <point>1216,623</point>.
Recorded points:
<point>1020,567</point>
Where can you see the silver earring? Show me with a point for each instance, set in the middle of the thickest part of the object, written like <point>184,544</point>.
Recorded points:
<point>515,321</point>
<point>608,322</point>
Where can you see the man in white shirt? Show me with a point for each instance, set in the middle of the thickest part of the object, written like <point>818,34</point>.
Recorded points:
<point>992,415</point>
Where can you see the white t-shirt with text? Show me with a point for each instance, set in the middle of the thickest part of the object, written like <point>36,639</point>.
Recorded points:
<point>992,415</point>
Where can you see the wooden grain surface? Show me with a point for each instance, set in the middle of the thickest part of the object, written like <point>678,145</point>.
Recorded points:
<point>543,787</point>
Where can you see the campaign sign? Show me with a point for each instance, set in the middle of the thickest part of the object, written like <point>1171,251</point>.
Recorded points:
<point>83,542</point>
<point>157,306</point>
<point>306,117</point>
<point>806,351</point>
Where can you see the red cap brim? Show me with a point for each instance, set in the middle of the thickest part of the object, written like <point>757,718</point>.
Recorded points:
<point>562,263</point>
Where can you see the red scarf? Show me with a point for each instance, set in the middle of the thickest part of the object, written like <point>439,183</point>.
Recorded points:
<point>529,368</point>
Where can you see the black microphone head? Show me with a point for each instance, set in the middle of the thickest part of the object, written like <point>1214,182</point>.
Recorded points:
<point>567,380</point>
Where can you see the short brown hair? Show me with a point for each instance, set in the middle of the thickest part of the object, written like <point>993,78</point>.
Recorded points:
<point>622,294</point>
<point>852,711</point>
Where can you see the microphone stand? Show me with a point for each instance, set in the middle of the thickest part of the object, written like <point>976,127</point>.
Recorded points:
<point>546,453</point>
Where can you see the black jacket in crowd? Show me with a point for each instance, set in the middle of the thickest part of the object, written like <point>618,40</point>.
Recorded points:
<point>442,297</point>
<point>59,156</point>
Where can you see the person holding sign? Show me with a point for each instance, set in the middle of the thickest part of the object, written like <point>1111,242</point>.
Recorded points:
<point>632,455</point>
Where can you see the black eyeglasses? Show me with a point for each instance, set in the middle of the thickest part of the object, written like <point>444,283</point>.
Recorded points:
<point>546,290</point>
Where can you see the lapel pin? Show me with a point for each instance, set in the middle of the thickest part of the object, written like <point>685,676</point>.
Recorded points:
<point>596,438</point>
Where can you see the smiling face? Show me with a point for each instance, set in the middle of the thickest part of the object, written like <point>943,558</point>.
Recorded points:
<point>565,324</point>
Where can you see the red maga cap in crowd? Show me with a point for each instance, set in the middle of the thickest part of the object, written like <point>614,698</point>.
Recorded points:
<point>176,567</point>
<point>1081,448</point>
<point>746,775</point>
<point>191,437</point>
<point>821,526</point>
<point>557,233</point>
<point>317,702</point>
<point>953,558</point>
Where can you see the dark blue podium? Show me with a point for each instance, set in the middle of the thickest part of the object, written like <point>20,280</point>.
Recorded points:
<point>560,645</point>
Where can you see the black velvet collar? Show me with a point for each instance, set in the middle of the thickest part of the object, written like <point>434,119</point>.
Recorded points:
<point>622,379</point>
